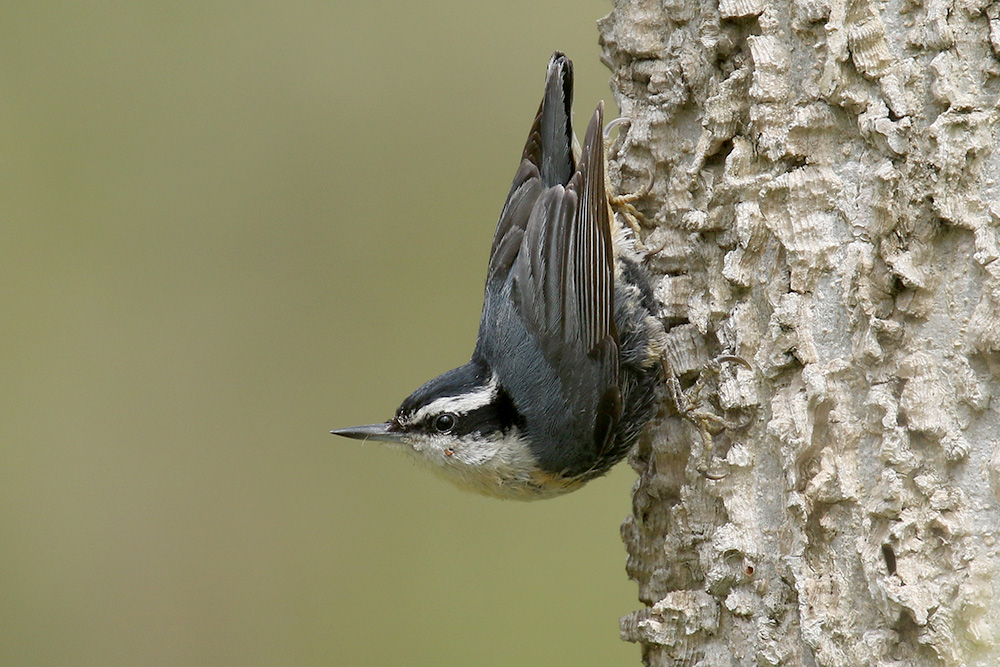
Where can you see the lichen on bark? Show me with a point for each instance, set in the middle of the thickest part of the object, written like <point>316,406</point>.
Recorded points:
<point>825,203</point>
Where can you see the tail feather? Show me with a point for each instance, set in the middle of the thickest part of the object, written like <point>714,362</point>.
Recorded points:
<point>556,125</point>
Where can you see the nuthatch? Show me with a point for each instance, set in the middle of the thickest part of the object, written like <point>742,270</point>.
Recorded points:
<point>567,363</point>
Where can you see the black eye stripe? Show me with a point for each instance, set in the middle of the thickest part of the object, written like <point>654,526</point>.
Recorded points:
<point>499,415</point>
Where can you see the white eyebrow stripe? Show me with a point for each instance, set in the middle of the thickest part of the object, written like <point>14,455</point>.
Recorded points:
<point>459,405</point>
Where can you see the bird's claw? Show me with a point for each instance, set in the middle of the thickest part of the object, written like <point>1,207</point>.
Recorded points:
<point>625,205</point>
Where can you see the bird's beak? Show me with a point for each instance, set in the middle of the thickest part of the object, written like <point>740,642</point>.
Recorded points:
<point>370,432</point>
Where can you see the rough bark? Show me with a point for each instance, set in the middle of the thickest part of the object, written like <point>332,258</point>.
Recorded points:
<point>825,195</point>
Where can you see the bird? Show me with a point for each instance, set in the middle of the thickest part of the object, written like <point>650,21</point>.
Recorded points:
<point>567,365</point>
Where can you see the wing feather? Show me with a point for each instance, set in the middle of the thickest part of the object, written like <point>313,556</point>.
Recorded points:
<point>564,286</point>
<point>552,250</point>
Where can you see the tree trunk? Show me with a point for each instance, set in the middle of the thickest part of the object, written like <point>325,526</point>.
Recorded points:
<point>824,201</point>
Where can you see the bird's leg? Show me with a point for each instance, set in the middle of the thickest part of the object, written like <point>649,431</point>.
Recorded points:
<point>708,423</point>
<point>612,125</point>
<point>714,368</point>
<point>625,204</point>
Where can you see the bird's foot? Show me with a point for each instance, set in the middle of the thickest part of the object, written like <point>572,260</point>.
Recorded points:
<point>624,204</point>
<point>691,404</point>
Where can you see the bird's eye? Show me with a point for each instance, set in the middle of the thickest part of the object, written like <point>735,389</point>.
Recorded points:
<point>445,422</point>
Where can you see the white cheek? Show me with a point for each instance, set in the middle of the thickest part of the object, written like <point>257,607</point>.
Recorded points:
<point>502,457</point>
<point>492,453</point>
<point>437,451</point>
<point>423,447</point>
<point>500,466</point>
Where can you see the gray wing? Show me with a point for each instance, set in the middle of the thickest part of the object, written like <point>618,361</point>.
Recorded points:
<point>554,241</point>
<point>563,286</point>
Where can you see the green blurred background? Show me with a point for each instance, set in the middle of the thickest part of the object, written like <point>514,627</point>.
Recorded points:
<point>227,228</point>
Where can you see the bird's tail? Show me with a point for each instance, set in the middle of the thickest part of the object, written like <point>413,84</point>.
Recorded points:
<point>550,143</point>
